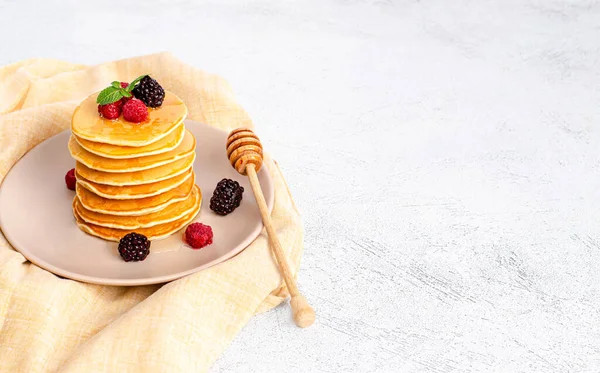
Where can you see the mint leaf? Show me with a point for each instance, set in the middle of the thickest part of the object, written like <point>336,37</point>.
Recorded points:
<point>109,95</point>
<point>115,92</point>
<point>131,85</point>
<point>124,92</point>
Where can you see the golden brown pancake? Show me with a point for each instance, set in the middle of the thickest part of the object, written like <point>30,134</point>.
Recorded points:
<point>150,175</point>
<point>134,176</point>
<point>167,143</point>
<point>87,124</point>
<point>158,232</point>
<point>135,191</point>
<point>96,162</point>
<point>141,206</point>
<point>170,213</point>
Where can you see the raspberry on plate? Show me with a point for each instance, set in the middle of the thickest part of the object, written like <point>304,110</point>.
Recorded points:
<point>70,179</point>
<point>135,111</point>
<point>198,235</point>
<point>110,111</point>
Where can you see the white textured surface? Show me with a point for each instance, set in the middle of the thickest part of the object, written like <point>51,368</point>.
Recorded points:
<point>445,156</point>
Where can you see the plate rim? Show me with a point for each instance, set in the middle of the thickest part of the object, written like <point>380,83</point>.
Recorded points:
<point>31,257</point>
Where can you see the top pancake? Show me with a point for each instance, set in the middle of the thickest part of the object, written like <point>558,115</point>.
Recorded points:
<point>88,125</point>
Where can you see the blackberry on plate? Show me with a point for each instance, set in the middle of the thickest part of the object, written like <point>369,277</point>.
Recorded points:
<point>149,91</point>
<point>226,197</point>
<point>134,247</point>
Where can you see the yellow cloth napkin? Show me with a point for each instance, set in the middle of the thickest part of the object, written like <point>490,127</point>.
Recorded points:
<point>50,324</point>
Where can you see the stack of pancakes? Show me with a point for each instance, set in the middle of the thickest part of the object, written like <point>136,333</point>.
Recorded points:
<point>134,177</point>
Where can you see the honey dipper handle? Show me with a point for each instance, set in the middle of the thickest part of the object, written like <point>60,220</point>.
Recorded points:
<point>303,313</point>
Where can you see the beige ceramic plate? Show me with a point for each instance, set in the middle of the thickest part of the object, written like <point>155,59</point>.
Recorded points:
<point>36,217</point>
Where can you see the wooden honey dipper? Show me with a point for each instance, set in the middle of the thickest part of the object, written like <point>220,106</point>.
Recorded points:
<point>245,153</point>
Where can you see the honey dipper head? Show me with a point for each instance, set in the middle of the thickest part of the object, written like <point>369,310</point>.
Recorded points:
<point>244,148</point>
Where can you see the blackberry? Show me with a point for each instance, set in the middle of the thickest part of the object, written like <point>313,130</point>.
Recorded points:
<point>226,197</point>
<point>134,247</point>
<point>149,91</point>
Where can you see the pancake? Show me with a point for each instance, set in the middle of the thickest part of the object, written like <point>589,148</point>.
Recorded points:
<point>135,191</point>
<point>141,206</point>
<point>96,162</point>
<point>167,143</point>
<point>158,232</point>
<point>170,213</point>
<point>88,125</point>
<point>150,175</point>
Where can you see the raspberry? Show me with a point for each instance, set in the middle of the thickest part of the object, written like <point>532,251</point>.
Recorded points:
<point>123,101</point>
<point>110,111</point>
<point>70,179</point>
<point>135,111</point>
<point>226,197</point>
<point>198,235</point>
<point>134,247</point>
